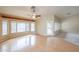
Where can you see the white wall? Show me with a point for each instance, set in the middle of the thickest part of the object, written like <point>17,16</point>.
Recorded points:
<point>71,24</point>
<point>41,25</point>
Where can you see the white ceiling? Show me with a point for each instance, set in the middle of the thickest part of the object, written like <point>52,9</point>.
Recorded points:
<point>25,11</point>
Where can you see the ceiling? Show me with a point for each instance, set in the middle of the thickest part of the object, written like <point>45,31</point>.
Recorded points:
<point>44,11</point>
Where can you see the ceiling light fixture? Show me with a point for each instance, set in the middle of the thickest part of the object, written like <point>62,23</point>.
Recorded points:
<point>34,15</point>
<point>33,11</point>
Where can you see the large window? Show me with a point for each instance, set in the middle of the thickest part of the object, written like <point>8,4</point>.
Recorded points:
<point>27,26</point>
<point>17,26</point>
<point>4,27</point>
<point>21,26</point>
<point>33,26</point>
<point>13,26</point>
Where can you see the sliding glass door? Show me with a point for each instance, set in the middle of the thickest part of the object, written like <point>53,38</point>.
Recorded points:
<point>50,28</point>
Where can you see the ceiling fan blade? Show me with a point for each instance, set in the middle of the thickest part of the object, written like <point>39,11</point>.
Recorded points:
<point>38,16</point>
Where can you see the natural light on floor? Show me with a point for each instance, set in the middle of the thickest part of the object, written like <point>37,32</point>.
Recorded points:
<point>21,42</point>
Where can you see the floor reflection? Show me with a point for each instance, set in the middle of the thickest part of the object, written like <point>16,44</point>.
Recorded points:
<point>37,43</point>
<point>19,43</point>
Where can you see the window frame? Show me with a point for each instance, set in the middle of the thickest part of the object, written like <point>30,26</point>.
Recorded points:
<point>5,19</point>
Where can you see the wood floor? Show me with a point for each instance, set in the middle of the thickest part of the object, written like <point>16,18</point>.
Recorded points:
<point>37,43</point>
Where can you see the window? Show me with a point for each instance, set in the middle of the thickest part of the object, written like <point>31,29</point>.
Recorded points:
<point>13,26</point>
<point>57,26</point>
<point>4,27</point>
<point>21,27</point>
<point>32,26</point>
<point>27,26</point>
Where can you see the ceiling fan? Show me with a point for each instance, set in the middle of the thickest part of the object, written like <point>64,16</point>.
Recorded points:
<point>34,15</point>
